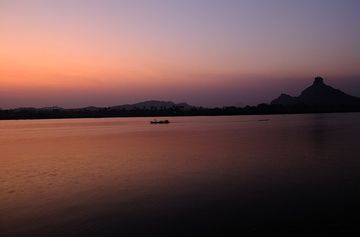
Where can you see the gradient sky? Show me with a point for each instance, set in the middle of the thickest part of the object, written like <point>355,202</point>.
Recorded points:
<point>74,53</point>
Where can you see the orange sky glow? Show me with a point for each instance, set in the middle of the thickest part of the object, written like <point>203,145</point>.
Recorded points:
<point>114,52</point>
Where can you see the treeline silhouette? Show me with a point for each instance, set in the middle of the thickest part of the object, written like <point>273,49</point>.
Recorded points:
<point>33,113</point>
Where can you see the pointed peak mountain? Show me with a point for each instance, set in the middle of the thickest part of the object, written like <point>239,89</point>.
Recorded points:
<point>319,94</point>
<point>318,81</point>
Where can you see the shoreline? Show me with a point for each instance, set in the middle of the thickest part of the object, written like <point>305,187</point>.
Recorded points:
<point>172,115</point>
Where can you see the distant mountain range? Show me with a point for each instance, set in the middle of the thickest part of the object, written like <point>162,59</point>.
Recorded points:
<point>318,94</point>
<point>153,104</point>
<point>145,105</point>
<point>318,98</point>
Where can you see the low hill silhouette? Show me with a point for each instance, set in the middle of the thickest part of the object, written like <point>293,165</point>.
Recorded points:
<point>153,104</point>
<point>318,94</point>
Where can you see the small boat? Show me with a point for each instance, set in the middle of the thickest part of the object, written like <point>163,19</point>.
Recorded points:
<point>160,122</point>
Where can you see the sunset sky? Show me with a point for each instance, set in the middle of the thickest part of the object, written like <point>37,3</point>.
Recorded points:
<point>75,53</point>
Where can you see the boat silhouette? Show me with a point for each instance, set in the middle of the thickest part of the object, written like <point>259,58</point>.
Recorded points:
<point>160,122</point>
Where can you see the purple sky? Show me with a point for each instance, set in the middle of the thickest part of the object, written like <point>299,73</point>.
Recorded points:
<point>205,52</point>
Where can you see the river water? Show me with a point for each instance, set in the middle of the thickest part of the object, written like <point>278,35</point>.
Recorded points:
<point>293,174</point>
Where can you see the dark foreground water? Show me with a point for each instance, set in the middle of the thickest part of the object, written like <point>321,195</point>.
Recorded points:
<point>198,176</point>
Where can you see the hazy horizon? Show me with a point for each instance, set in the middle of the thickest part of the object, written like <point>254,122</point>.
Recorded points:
<point>206,53</point>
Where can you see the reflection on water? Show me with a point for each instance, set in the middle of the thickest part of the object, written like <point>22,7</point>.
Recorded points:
<point>319,129</point>
<point>103,177</point>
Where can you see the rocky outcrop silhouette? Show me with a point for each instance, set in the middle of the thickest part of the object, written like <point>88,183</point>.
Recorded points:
<point>318,94</point>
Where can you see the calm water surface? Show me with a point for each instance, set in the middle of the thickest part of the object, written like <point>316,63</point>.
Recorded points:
<point>198,175</point>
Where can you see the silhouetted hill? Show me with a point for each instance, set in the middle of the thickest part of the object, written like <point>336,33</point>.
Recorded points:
<point>152,104</point>
<point>52,108</point>
<point>318,94</point>
<point>285,99</point>
<point>91,108</point>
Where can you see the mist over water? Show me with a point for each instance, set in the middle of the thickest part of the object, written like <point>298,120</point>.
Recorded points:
<point>196,175</point>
